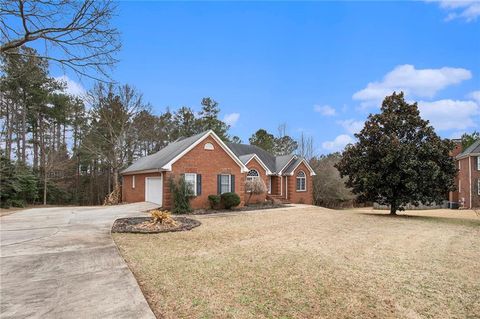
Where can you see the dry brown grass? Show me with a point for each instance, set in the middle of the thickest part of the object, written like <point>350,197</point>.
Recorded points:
<point>311,262</point>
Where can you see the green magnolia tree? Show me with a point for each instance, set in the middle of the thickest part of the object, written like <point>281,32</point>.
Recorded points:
<point>398,159</point>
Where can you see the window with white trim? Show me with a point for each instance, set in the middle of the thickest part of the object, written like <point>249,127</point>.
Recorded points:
<point>459,185</point>
<point>191,181</point>
<point>208,146</point>
<point>478,186</point>
<point>301,181</point>
<point>225,183</point>
<point>133,181</point>
<point>478,163</point>
<point>252,174</point>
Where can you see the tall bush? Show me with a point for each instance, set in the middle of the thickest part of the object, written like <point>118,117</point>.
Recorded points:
<point>181,194</point>
<point>18,184</point>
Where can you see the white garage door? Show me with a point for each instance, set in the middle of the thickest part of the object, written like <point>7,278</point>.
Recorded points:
<point>153,190</point>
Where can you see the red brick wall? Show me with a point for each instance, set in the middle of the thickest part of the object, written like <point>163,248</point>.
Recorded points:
<point>464,181</point>
<point>209,163</point>
<point>253,164</point>
<point>300,197</point>
<point>275,185</point>
<point>137,194</point>
<point>475,177</point>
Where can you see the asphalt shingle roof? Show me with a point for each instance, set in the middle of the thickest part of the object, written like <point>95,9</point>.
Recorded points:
<point>246,151</point>
<point>289,169</point>
<point>243,151</point>
<point>472,149</point>
<point>165,155</point>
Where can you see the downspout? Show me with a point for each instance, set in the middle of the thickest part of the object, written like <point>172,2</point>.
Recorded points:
<point>470,180</point>
<point>281,185</point>
<point>286,187</point>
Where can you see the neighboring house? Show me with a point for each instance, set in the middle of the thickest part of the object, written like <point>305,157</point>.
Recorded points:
<point>468,177</point>
<point>211,166</point>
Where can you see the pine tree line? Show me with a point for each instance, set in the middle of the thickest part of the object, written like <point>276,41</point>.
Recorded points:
<point>62,149</point>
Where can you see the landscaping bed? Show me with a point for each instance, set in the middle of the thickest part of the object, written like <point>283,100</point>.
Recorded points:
<point>144,225</point>
<point>248,208</point>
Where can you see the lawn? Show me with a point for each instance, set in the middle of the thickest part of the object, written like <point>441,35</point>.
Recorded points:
<point>311,262</point>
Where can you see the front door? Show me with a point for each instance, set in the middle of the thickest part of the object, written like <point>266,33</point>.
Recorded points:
<point>154,190</point>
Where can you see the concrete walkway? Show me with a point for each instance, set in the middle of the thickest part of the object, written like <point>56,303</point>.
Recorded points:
<point>62,263</point>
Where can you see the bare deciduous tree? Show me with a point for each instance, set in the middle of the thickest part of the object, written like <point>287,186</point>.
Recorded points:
<point>255,186</point>
<point>75,34</point>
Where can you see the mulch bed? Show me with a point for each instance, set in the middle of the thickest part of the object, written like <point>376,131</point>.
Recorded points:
<point>237,209</point>
<point>144,225</point>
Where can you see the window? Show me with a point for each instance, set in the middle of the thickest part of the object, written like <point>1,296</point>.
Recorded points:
<point>301,182</point>
<point>208,147</point>
<point>478,186</point>
<point>191,181</point>
<point>252,174</point>
<point>460,165</point>
<point>459,185</point>
<point>225,184</point>
<point>133,181</point>
<point>478,163</point>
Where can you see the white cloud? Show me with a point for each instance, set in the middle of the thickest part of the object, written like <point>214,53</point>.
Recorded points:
<point>73,87</point>
<point>231,119</point>
<point>469,10</point>
<point>352,126</point>
<point>413,82</point>
<point>325,110</point>
<point>338,143</point>
<point>450,114</point>
<point>475,95</point>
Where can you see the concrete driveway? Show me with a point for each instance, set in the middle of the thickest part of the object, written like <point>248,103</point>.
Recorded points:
<point>62,263</point>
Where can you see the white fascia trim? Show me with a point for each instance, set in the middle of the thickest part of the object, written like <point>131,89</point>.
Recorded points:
<point>292,158</point>
<point>267,171</point>
<point>243,168</point>
<point>144,171</point>
<point>467,155</point>
<point>312,172</point>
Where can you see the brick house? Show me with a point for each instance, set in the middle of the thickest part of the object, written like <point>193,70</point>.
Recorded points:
<point>211,166</point>
<point>467,180</point>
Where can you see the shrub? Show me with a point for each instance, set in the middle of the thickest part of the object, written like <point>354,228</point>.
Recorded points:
<point>162,217</point>
<point>181,194</point>
<point>214,200</point>
<point>255,186</point>
<point>18,184</point>
<point>230,200</point>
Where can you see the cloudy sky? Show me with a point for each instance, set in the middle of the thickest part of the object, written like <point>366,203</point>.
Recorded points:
<point>321,68</point>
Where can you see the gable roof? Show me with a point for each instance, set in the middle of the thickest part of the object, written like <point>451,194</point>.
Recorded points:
<point>163,159</point>
<point>292,166</point>
<point>245,149</point>
<point>473,149</point>
<point>247,158</point>
<point>275,164</point>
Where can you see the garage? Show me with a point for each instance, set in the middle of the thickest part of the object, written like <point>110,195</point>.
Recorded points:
<point>154,190</point>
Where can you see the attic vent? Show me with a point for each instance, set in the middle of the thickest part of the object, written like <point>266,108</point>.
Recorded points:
<point>208,147</point>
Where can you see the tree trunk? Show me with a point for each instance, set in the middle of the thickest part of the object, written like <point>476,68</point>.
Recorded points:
<point>8,134</point>
<point>393,208</point>
<point>24,131</point>
<point>44,188</point>
<point>35,144</point>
